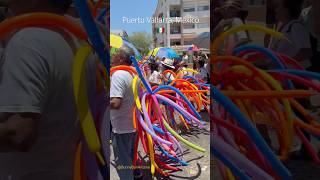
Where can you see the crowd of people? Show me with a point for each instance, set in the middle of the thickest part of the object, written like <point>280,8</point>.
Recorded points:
<point>158,65</point>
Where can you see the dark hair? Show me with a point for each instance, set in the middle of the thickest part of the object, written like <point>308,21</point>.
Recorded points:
<point>201,62</point>
<point>294,7</point>
<point>61,5</point>
<point>154,67</point>
<point>184,53</point>
<point>126,53</point>
<point>243,14</point>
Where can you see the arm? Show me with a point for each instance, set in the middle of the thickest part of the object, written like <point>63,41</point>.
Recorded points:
<point>18,132</point>
<point>117,89</point>
<point>301,38</point>
<point>23,88</point>
<point>115,103</point>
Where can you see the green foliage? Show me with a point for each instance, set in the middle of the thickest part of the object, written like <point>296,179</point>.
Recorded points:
<point>142,41</point>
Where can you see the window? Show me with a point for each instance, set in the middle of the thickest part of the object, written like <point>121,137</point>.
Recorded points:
<point>175,43</point>
<point>174,13</point>
<point>189,26</point>
<point>187,42</point>
<point>189,9</point>
<point>175,30</point>
<point>203,8</point>
<point>203,25</point>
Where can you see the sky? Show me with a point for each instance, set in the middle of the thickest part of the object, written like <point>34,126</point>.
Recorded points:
<point>131,9</point>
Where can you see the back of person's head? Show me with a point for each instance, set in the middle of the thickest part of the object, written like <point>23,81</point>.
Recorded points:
<point>3,12</point>
<point>201,61</point>
<point>294,8</point>
<point>123,56</point>
<point>61,6</point>
<point>154,66</point>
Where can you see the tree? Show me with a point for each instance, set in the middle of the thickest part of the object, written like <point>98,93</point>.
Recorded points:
<point>142,41</point>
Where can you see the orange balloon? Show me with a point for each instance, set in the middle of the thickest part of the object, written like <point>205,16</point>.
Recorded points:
<point>41,20</point>
<point>130,69</point>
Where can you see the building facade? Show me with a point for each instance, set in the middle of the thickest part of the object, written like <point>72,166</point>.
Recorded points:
<point>179,35</point>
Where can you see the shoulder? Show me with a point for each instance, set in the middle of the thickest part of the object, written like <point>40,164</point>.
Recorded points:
<point>237,21</point>
<point>36,34</point>
<point>121,75</point>
<point>299,27</point>
<point>39,40</point>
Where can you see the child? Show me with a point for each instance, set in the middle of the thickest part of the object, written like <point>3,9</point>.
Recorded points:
<point>155,78</point>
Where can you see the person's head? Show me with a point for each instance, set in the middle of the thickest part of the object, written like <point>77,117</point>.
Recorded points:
<point>184,53</point>
<point>28,6</point>
<point>231,8</point>
<point>200,63</point>
<point>167,64</point>
<point>289,10</point>
<point>122,56</point>
<point>154,66</point>
<point>163,58</point>
<point>3,13</point>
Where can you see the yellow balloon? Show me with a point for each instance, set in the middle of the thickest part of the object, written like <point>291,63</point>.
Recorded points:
<point>81,98</point>
<point>135,93</point>
<point>246,27</point>
<point>187,70</point>
<point>115,41</point>
<point>151,151</point>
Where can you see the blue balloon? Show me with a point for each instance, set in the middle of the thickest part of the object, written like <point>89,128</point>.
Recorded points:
<point>136,52</point>
<point>268,53</point>
<point>143,80</point>
<point>181,95</point>
<point>236,171</point>
<point>183,163</point>
<point>166,52</point>
<point>252,132</point>
<point>102,15</point>
<point>308,74</point>
<point>93,32</point>
<point>158,130</point>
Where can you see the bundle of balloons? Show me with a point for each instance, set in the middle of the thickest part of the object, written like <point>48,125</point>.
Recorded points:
<point>93,150</point>
<point>248,102</point>
<point>155,109</point>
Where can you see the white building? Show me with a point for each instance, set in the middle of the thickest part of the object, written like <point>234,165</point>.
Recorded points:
<point>179,35</point>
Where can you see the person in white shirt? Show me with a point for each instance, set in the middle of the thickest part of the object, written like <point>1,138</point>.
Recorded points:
<point>231,11</point>
<point>121,103</point>
<point>155,77</point>
<point>185,57</point>
<point>308,15</point>
<point>203,73</point>
<point>299,46</point>
<point>39,128</point>
<point>167,64</point>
